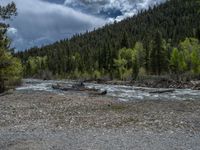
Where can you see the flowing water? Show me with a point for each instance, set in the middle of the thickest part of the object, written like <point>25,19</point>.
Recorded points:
<point>121,92</point>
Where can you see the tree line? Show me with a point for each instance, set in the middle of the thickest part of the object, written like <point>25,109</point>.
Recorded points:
<point>131,63</point>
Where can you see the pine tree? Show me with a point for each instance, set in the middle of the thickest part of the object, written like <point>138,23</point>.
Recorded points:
<point>147,53</point>
<point>7,62</point>
<point>125,41</point>
<point>198,34</point>
<point>158,55</point>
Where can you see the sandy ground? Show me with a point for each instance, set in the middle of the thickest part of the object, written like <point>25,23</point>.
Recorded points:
<point>47,121</point>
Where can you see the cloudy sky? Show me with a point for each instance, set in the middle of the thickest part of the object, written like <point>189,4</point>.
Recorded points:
<point>40,22</point>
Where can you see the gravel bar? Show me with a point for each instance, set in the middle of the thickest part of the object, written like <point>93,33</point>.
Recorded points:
<point>50,121</point>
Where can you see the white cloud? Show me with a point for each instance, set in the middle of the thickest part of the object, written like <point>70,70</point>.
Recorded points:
<point>126,7</point>
<point>12,31</point>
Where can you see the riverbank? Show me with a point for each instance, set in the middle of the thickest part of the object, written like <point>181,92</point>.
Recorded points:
<point>154,83</point>
<point>44,120</point>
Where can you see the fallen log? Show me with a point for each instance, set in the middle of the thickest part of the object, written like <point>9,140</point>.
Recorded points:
<point>6,93</point>
<point>196,85</point>
<point>162,91</point>
<point>97,92</point>
<point>79,85</point>
<point>79,89</point>
<point>59,87</point>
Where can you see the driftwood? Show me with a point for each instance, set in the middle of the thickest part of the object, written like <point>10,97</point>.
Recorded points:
<point>3,94</point>
<point>80,88</point>
<point>162,91</point>
<point>141,89</point>
<point>6,93</point>
<point>196,85</point>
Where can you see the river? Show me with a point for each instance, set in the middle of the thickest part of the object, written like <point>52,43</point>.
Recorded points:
<point>120,92</point>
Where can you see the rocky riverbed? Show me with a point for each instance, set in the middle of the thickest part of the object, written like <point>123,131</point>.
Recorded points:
<point>47,120</point>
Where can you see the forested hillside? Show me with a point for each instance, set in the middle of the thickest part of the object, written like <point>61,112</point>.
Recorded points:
<point>161,40</point>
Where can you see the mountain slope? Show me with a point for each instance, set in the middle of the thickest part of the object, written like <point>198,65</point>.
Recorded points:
<point>175,19</point>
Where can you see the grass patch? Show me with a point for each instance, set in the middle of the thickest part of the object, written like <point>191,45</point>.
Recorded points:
<point>117,107</point>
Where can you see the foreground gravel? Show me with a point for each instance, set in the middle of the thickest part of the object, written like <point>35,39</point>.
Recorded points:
<point>42,120</point>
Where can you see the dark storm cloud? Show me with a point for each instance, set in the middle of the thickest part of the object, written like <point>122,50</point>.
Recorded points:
<point>55,1</point>
<point>45,21</point>
<point>41,22</point>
